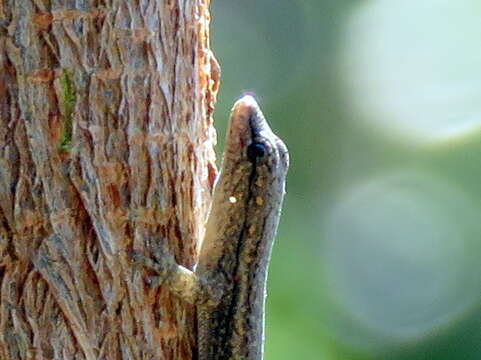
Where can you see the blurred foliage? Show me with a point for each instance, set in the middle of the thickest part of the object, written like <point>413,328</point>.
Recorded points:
<point>379,103</point>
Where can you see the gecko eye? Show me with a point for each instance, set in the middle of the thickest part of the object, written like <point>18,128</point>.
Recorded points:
<point>255,151</point>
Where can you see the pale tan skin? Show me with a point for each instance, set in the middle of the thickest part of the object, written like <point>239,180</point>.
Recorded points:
<point>229,282</point>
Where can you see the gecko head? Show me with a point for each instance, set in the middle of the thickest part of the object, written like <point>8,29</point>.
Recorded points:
<point>248,193</point>
<point>250,140</point>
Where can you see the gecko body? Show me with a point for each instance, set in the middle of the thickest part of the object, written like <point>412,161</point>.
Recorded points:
<point>229,282</point>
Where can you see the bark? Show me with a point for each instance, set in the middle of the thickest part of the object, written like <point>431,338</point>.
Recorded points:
<point>106,144</point>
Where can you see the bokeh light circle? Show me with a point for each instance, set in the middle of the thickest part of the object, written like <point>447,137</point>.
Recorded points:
<point>411,67</point>
<point>400,250</point>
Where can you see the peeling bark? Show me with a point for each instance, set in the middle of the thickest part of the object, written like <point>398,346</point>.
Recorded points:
<point>106,144</point>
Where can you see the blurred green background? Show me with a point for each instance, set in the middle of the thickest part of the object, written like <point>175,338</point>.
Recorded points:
<point>379,102</point>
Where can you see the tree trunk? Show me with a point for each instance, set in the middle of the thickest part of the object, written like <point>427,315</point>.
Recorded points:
<point>106,144</point>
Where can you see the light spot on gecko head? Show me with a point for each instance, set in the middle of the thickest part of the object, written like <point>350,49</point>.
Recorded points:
<point>259,201</point>
<point>232,199</point>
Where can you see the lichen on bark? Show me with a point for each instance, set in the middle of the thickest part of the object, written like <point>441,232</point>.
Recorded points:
<point>68,100</point>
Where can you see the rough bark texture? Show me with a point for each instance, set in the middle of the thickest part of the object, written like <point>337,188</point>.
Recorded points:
<point>106,146</point>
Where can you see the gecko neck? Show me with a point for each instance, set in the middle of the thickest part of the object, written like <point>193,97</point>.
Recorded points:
<point>237,258</point>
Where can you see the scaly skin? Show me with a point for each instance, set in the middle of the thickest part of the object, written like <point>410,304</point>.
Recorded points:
<point>229,282</point>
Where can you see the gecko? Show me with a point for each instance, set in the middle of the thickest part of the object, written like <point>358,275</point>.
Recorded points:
<point>228,284</point>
